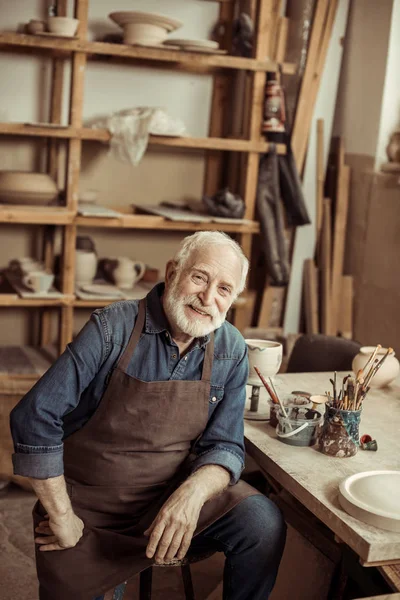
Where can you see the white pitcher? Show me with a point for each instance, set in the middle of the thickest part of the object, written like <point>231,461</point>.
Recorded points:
<point>127,272</point>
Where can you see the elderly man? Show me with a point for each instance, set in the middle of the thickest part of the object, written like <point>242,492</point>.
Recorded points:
<point>133,439</point>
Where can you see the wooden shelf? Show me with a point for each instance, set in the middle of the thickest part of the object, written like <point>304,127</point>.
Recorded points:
<point>190,60</point>
<point>137,221</point>
<point>7,300</point>
<point>35,215</point>
<point>103,135</point>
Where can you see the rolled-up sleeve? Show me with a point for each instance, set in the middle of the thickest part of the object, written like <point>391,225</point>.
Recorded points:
<point>222,442</point>
<point>37,421</point>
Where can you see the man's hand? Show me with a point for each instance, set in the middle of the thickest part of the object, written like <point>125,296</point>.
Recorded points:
<point>59,532</point>
<point>172,530</point>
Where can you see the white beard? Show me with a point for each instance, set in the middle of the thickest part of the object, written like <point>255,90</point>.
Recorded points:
<point>174,307</point>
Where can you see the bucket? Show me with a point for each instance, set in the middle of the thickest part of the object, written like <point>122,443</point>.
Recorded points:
<point>300,427</point>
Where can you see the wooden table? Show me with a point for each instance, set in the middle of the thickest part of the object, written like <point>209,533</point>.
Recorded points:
<point>313,478</point>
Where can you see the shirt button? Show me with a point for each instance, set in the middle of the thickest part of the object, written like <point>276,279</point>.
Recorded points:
<point>185,357</point>
<point>174,356</point>
<point>214,399</point>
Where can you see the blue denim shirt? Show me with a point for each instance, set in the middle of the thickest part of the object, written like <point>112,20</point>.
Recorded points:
<point>68,394</point>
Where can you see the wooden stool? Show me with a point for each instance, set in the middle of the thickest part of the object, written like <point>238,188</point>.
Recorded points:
<point>146,577</point>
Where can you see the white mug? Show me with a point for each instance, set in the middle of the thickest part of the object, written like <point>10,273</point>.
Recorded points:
<point>39,281</point>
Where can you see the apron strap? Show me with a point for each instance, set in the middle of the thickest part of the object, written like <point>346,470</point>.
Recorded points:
<point>134,338</point>
<point>208,359</point>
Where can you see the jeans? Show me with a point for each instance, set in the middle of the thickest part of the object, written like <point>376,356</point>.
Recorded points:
<point>252,536</point>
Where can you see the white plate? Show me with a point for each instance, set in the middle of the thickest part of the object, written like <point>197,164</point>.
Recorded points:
<point>373,497</point>
<point>58,35</point>
<point>121,18</point>
<point>197,43</point>
<point>100,289</point>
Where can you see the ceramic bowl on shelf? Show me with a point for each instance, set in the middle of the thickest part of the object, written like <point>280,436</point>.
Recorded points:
<point>64,26</point>
<point>122,18</point>
<point>144,34</point>
<point>21,187</point>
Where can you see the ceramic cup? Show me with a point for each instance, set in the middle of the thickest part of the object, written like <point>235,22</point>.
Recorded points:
<point>266,356</point>
<point>64,26</point>
<point>35,26</point>
<point>39,281</point>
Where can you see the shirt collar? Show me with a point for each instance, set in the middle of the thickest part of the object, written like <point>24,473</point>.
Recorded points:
<point>156,320</point>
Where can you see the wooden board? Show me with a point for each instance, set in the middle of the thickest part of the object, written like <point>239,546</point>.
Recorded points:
<point>345,315</point>
<point>320,179</point>
<point>310,295</point>
<point>339,238</point>
<point>325,270</point>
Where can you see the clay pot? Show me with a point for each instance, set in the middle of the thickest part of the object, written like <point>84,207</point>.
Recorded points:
<point>266,356</point>
<point>387,372</point>
<point>64,26</point>
<point>393,147</point>
<point>85,267</point>
<point>35,26</point>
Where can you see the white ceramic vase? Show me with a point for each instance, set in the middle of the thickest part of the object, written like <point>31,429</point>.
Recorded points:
<point>387,372</point>
<point>266,356</point>
<point>85,267</point>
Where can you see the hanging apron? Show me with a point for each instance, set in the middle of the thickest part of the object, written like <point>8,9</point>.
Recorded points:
<point>120,468</point>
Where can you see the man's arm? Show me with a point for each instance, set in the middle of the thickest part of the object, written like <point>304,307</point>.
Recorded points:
<point>172,530</point>
<point>37,430</point>
<point>61,529</point>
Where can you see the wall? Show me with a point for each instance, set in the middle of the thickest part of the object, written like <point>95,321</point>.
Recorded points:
<point>360,94</point>
<point>109,87</point>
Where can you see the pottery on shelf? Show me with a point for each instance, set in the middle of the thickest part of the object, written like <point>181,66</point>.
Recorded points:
<point>147,29</point>
<point>85,261</point>
<point>20,187</point>
<point>35,26</point>
<point>123,271</point>
<point>393,147</point>
<point>65,26</point>
<point>266,356</point>
<point>387,372</point>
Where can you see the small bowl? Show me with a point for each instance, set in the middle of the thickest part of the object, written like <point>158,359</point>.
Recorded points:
<point>64,26</point>
<point>35,26</point>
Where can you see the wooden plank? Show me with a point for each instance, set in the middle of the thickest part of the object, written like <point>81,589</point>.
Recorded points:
<point>190,60</point>
<point>135,221</point>
<point>6,300</point>
<point>320,179</point>
<point>392,575</point>
<point>325,270</point>
<point>103,135</point>
<point>311,79</point>
<point>35,215</point>
<point>271,307</point>
<point>213,176</point>
<point>345,317</point>
<point>310,295</point>
<point>339,237</point>
<point>281,40</point>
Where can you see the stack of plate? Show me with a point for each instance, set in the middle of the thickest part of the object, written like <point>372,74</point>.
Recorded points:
<point>193,45</point>
<point>146,29</point>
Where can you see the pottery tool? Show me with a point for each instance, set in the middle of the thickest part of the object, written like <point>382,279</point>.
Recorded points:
<point>274,398</point>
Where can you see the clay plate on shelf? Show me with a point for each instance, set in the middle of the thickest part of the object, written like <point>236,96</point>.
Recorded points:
<point>57,35</point>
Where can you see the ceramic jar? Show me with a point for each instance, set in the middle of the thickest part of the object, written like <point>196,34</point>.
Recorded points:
<point>85,261</point>
<point>387,372</point>
<point>340,434</point>
<point>393,147</point>
<point>266,356</point>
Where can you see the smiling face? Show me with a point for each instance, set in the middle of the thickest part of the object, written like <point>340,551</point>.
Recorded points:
<point>197,298</point>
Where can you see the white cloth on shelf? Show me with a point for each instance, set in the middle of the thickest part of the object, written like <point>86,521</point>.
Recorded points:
<point>130,130</point>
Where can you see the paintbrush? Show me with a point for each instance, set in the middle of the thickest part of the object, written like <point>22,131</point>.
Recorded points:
<point>371,358</point>
<point>274,398</point>
<point>378,366</point>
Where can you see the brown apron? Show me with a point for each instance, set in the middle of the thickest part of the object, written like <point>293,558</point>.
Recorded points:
<point>120,468</point>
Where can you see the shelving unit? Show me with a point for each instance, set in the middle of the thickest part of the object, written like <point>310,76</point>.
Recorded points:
<point>266,17</point>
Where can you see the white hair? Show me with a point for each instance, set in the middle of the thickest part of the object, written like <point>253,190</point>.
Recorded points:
<point>201,239</point>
